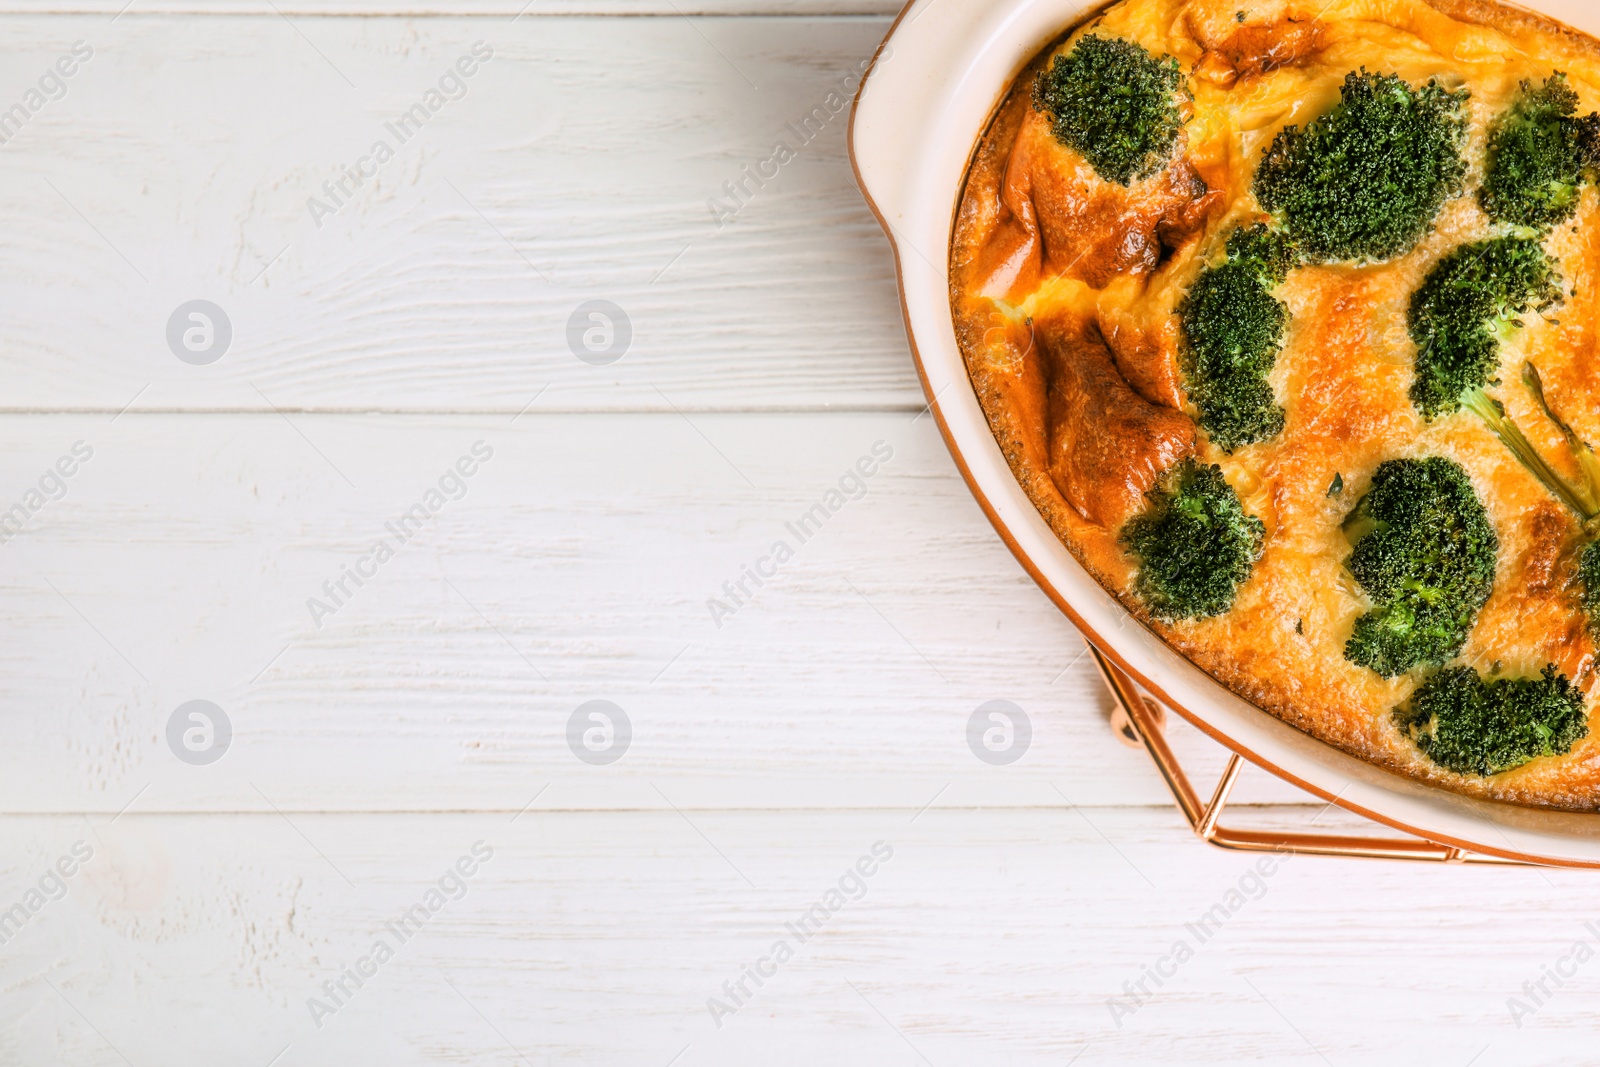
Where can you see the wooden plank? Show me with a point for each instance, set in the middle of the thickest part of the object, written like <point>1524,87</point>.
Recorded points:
<point>580,564</point>
<point>578,165</point>
<point>986,937</point>
<point>497,9</point>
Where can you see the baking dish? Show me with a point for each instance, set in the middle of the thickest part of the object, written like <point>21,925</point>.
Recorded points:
<point>940,73</point>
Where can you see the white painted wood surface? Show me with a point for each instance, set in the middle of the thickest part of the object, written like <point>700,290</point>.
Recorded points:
<point>430,710</point>
<point>578,165</point>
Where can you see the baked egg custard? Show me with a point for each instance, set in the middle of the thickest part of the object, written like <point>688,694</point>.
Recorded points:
<point>1284,316</point>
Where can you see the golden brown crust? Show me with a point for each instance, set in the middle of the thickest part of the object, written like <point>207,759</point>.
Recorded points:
<point>1107,444</point>
<point>1063,294</point>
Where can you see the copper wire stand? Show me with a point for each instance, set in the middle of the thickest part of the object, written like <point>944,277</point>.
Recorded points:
<point>1139,720</point>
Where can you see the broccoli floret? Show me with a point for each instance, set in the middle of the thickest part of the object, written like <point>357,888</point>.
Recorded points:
<point>1115,104</point>
<point>1365,180</point>
<point>1233,328</point>
<point>1589,587</point>
<point>1195,544</point>
<point>1471,297</point>
<point>1269,252</point>
<point>1539,155</point>
<point>1425,555</point>
<point>1470,726</point>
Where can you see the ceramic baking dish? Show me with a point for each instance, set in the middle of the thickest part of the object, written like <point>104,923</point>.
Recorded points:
<point>938,77</point>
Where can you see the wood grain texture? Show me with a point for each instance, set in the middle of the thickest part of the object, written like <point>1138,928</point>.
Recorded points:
<point>577,166</point>
<point>987,937</point>
<point>577,565</point>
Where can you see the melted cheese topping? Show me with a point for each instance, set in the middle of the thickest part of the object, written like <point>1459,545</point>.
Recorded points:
<point>1096,261</point>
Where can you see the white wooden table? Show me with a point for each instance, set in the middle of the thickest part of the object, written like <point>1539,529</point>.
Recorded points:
<point>380,738</point>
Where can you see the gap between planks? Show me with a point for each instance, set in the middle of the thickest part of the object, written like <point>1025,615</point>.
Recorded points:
<point>874,9</point>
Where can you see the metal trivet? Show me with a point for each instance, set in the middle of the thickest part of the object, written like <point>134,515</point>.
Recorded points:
<point>1139,720</point>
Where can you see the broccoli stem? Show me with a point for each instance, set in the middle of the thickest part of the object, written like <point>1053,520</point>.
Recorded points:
<point>1588,462</point>
<point>1583,499</point>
